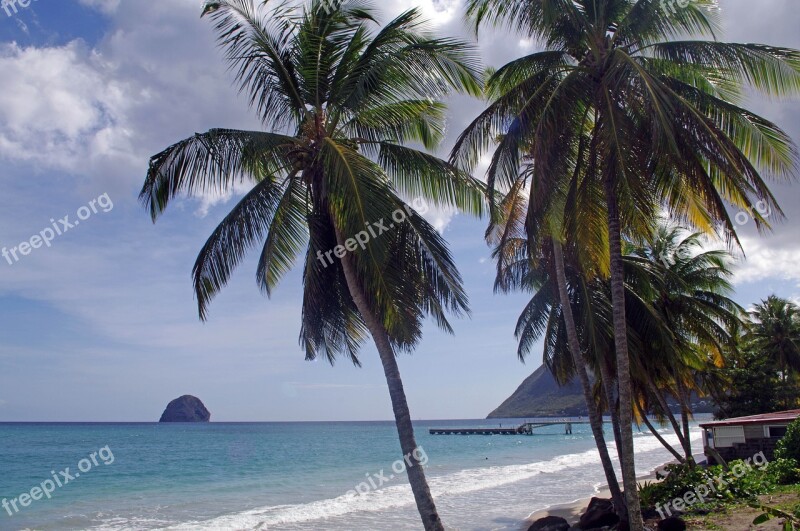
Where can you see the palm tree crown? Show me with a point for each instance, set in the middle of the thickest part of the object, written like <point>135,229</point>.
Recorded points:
<point>774,331</point>
<point>665,116</point>
<point>341,100</point>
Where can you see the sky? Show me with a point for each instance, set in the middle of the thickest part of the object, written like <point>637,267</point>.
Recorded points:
<point>97,319</point>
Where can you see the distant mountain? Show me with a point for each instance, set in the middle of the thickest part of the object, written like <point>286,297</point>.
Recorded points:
<point>540,396</point>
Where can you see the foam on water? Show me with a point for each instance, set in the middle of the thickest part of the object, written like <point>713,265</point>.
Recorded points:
<point>295,476</point>
<point>448,486</point>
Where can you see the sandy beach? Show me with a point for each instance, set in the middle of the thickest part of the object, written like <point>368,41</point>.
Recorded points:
<point>571,512</point>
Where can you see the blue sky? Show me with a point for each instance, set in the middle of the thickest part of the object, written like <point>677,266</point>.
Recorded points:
<point>102,325</point>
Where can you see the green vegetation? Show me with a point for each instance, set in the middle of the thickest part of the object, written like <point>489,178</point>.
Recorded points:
<point>791,520</point>
<point>789,445</point>
<point>754,386</point>
<point>776,333</point>
<point>762,370</point>
<point>716,488</point>
<point>720,490</point>
<point>728,485</point>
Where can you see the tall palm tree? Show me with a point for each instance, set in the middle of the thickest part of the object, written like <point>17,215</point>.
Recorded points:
<point>538,265</point>
<point>340,97</point>
<point>666,126</point>
<point>774,331</point>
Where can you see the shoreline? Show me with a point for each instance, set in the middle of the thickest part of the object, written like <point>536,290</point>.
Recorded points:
<point>571,511</point>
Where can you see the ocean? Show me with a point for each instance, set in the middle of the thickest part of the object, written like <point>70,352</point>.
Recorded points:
<point>290,476</point>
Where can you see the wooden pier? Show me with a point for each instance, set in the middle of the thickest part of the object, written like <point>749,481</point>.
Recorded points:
<point>524,429</point>
<point>476,431</point>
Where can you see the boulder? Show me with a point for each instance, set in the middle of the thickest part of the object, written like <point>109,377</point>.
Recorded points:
<point>550,523</point>
<point>600,513</point>
<point>186,409</point>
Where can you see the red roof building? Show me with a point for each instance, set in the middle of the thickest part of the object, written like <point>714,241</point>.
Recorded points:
<point>744,437</point>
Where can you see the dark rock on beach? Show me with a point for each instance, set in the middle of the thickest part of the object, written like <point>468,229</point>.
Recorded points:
<point>600,513</point>
<point>550,523</point>
<point>186,409</point>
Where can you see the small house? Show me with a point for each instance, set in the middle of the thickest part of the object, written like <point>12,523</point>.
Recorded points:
<point>743,437</point>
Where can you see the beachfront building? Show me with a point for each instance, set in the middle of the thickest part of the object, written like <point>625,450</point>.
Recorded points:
<point>743,437</point>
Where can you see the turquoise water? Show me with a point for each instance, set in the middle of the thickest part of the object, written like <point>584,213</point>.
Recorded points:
<point>289,476</point>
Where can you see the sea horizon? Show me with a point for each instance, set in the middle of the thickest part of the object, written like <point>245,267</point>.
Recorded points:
<point>298,475</point>
<point>521,419</point>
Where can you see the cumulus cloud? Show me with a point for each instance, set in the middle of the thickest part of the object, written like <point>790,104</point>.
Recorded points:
<point>763,261</point>
<point>98,112</point>
<point>61,108</point>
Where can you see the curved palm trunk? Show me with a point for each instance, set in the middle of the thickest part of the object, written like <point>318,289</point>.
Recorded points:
<point>658,436</point>
<point>662,402</point>
<point>595,419</point>
<point>685,413</point>
<point>609,386</point>
<point>623,362</point>
<point>402,415</point>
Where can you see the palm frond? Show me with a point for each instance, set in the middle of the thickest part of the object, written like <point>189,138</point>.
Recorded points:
<point>212,163</point>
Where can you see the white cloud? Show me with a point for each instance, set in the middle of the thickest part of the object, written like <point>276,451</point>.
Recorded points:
<point>61,107</point>
<point>765,261</point>
<point>437,12</point>
<point>440,218</point>
<point>98,113</point>
<point>105,6</point>
<point>212,199</point>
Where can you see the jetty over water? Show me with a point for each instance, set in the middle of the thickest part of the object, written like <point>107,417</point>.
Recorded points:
<point>523,429</point>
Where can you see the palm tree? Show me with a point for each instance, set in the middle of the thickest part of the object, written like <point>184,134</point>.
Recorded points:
<point>690,299</point>
<point>774,332</point>
<point>666,127</point>
<point>539,265</point>
<point>341,97</point>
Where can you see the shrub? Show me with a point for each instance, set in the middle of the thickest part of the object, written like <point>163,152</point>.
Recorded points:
<point>680,479</point>
<point>741,482</point>
<point>782,471</point>
<point>789,446</point>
